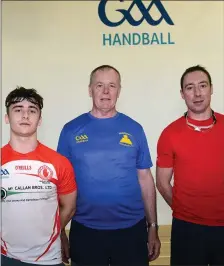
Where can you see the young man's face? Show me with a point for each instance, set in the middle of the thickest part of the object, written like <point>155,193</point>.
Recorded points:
<point>24,118</point>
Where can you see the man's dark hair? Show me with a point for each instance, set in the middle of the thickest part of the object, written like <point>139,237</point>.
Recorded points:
<point>19,94</point>
<point>193,69</point>
<point>103,67</point>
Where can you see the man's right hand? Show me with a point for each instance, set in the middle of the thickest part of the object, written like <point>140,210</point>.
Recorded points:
<point>64,247</point>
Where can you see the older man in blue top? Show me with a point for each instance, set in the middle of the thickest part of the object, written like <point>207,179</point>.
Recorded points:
<point>116,220</point>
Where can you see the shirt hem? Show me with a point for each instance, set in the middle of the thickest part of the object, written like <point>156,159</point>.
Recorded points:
<point>144,167</point>
<point>54,262</point>
<point>123,226</point>
<point>200,222</point>
<point>67,192</point>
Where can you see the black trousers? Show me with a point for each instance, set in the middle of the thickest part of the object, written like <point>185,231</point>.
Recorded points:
<point>109,247</point>
<point>193,244</point>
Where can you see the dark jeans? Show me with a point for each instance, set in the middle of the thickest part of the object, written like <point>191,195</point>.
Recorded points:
<point>109,247</point>
<point>194,244</point>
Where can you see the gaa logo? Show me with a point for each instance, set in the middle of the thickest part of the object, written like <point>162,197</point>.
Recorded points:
<point>45,172</point>
<point>145,11</point>
<point>81,138</point>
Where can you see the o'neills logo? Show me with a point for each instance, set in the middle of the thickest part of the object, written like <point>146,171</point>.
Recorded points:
<point>45,172</point>
<point>23,167</point>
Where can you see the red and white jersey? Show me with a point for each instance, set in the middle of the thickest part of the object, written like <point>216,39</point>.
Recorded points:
<point>31,184</point>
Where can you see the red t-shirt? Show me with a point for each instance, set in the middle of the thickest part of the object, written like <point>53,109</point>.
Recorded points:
<point>197,159</point>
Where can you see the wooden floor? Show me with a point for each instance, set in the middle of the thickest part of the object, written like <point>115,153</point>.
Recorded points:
<point>164,234</point>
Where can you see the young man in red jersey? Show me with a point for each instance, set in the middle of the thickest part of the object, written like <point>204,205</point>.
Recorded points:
<point>38,190</point>
<point>191,149</point>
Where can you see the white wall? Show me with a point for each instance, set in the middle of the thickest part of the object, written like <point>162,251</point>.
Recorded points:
<point>53,46</point>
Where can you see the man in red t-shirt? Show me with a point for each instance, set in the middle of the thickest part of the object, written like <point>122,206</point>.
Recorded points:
<point>191,150</point>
